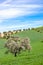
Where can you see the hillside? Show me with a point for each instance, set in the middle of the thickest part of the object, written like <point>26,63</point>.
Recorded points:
<point>40,29</point>
<point>35,57</point>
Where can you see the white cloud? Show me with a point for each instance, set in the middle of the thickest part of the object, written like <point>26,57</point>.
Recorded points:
<point>7,1</point>
<point>21,25</point>
<point>13,12</point>
<point>16,8</point>
<point>9,10</point>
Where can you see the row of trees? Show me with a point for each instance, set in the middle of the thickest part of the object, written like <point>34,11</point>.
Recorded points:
<point>5,34</point>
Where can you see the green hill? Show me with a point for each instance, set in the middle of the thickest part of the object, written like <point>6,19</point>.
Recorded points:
<point>35,57</point>
<point>39,29</point>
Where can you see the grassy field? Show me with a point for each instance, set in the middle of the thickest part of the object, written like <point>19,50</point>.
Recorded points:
<point>35,57</point>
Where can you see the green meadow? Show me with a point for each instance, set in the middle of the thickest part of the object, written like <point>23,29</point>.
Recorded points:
<point>34,57</point>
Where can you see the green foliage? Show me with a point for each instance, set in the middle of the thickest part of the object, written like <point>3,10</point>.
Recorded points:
<point>34,57</point>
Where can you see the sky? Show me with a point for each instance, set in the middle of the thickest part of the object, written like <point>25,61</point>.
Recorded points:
<point>20,14</point>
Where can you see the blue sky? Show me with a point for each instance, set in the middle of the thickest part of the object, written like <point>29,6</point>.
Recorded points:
<point>19,14</point>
